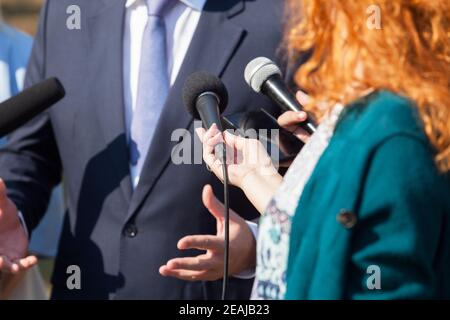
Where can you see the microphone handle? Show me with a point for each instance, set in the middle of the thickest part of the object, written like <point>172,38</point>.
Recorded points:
<point>208,110</point>
<point>276,89</point>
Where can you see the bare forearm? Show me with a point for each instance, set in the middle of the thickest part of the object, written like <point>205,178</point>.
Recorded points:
<point>260,188</point>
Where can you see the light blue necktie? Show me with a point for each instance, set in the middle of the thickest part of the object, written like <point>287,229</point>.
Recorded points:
<point>153,86</point>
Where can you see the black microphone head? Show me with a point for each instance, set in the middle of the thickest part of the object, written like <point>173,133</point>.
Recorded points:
<point>21,108</point>
<point>55,87</point>
<point>49,91</point>
<point>199,83</point>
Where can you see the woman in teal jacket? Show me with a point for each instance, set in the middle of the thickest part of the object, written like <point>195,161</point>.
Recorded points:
<point>374,219</point>
<point>364,210</point>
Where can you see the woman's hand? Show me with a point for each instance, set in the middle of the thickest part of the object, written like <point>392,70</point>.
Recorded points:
<point>250,168</point>
<point>290,120</point>
<point>245,157</point>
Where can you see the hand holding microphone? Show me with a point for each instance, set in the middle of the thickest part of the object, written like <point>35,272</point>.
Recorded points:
<point>292,120</point>
<point>15,112</point>
<point>264,76</point>
<point>246,158</point>
<point>205,98</point>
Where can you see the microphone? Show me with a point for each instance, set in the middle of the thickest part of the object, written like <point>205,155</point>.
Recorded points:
<point>264,76</point>
<point>205,98</point>
<point>21,108</point>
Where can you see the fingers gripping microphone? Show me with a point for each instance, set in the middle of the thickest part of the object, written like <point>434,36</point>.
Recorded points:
<point>264,76</point>
<point>21,108</point>
<point>205,98</point>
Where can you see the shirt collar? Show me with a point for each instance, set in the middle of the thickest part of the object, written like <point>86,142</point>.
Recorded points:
<point>194,4</point>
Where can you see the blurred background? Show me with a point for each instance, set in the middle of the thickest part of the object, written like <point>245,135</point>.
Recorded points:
<point>22,14</point>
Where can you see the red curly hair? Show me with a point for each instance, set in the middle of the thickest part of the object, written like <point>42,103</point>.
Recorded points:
<point>409,55</point>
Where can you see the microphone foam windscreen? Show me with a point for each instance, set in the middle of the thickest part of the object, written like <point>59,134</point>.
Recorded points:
<point>258,71</point>
<point>199,83</point>
<point>21,108</point>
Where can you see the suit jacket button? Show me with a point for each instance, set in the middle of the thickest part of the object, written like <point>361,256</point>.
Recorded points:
<point>347,219</point>
<point>131,231</point>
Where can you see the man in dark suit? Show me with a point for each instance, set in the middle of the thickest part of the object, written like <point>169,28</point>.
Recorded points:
<point>128,203</point>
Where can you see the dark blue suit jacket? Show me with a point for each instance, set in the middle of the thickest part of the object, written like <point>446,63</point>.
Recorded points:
<point>117,237</point>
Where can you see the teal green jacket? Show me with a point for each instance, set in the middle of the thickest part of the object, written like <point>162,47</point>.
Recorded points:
<point>374,219</point>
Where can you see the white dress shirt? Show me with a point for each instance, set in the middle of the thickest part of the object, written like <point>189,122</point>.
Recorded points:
<point>181,22</point>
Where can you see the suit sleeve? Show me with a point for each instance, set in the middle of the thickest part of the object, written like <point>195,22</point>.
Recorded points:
<point>29,162</point>
<point>397,239</point>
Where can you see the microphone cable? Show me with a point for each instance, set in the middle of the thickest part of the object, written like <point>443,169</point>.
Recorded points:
<point>206,97</point>
<point>226,198</point>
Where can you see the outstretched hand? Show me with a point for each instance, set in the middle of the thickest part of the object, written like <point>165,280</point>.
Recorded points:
<point>209,266</point>
<point>13,239</point>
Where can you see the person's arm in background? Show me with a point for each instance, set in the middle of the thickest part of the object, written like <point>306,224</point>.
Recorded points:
<point>29,165</point>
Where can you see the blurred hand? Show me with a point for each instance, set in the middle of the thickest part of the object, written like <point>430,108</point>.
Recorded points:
<point>290,120</point>
<point>13,239</point>
<point>209,266</point>
<point>245,157</point>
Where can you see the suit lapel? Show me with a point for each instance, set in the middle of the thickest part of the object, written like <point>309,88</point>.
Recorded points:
<point>106,61</point>
<point>212,47</point>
